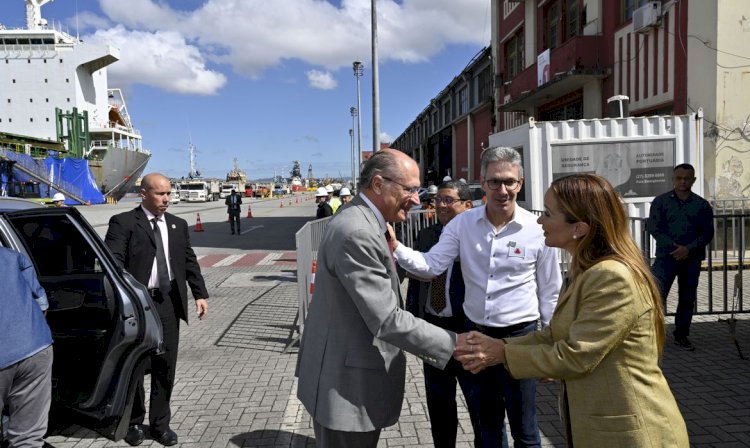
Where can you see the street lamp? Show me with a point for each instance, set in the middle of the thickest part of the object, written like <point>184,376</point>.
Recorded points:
<point>351,138</point>
<point>355,171</point>
<point>375,79</point>
<point>358,71</point>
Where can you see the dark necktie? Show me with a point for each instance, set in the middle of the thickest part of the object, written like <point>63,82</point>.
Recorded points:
<point>437,297</point>
<point>390,249</point>
<point>161,262</point>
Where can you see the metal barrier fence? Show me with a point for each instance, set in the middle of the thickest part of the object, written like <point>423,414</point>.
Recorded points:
<point>308,239</point>
<point>720,289</point>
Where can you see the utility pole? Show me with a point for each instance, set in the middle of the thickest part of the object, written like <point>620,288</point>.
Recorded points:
<point>358,71</point>
<point>375,81</point>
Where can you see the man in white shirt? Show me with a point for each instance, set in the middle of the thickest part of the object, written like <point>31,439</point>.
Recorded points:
<point>512,280</point>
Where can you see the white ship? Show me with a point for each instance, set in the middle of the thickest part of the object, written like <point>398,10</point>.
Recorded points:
<point>44,69</point>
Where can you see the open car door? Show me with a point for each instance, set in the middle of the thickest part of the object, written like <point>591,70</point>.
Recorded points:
<point>103,322</point>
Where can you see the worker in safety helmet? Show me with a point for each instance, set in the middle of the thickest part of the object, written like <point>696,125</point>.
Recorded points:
<point>59,200</point>
<point>324,208</point>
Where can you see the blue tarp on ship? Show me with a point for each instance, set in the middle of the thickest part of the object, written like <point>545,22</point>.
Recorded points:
<point>69,173</point>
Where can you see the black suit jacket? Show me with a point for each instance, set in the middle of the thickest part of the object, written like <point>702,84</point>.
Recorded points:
<point>417,292</point>
<point>233,209</point>
<point>130,237</point>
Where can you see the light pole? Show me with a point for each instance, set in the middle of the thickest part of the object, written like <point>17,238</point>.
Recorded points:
<point>355,171</point>
<point>351,137</point>
<point>358,71</point>
<point>375,81</point>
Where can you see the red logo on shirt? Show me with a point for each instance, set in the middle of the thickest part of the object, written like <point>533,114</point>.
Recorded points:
<point>518,251</point>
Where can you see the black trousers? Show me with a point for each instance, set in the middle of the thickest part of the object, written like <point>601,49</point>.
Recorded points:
<point>163,368</point>
<point>234,217</point>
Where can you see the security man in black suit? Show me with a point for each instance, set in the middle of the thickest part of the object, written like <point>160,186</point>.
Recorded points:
<point>233,202</point>
<point>154,246</point>
<point>429,301</point>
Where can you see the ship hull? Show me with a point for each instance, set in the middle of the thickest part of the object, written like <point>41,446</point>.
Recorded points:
<point>118,171</point>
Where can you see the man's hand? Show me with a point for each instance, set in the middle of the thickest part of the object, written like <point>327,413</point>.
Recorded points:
<point>201,308</point>
<point>681,253</point>
<point>480,352</point>
<point>392,235</point>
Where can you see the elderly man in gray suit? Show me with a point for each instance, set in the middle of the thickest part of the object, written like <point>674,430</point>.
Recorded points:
<point>351,366</point>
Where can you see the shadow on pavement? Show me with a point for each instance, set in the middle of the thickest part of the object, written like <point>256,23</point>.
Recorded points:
<point>272,438</point>
<point>257,233</point>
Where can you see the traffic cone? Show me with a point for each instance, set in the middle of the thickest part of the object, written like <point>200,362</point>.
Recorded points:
<point>249,212</point>
<point>312,277</point>
<point>198,225</point>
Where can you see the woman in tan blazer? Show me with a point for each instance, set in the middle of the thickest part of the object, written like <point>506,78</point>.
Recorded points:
<point>607,332</point>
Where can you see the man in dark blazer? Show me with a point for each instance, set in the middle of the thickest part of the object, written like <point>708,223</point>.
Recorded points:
<point>162,259</point>
<point>351,365</point>
<point>233,202</point>
<point>440,302</point>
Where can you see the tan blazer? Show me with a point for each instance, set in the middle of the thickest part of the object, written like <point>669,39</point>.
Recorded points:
<point>601,343</point>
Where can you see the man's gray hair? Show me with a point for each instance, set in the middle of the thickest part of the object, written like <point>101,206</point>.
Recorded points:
<point>383,163</point>
<point>501,154</point>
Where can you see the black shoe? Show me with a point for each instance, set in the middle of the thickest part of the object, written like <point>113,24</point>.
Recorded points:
<point>238,233</point>
<point>135,435</point>
<point>232,232</point>
<point>166,438</point>
<point>684,343</point>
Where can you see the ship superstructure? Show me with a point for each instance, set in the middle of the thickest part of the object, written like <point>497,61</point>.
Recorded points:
<point>45,68</point>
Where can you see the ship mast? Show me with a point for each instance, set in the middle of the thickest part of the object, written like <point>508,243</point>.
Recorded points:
<point>34,20</point>
<point>191,151</point>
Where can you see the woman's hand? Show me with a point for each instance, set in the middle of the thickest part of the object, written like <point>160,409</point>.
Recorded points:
<point>480,351</point>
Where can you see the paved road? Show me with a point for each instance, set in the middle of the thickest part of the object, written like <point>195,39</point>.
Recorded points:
<point>235,381</point>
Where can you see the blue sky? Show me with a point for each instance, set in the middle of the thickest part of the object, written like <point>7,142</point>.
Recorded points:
<point>269,81</point>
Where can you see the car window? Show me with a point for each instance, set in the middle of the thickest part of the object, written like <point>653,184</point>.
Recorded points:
<point>57,246</point>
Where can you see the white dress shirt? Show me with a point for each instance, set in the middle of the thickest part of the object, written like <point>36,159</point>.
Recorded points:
<point>511,276</point>
<point>153,281</point>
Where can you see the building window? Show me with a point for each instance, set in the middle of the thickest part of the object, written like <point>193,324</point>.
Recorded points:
<point>627,7</point>
<point>31,120</point>
<point>485,84</point>
<point>67,79</point>
<point>45,80</point>
<point>463,101</point>
<point>46,100</point>
<point>514,55</point>
<point>47,119</point>
<point>68,99</point>
<point>8,100</point>
<point>14,81</point>
<point>551,25</point>
<point>573,22</point>
<point>28,60</point>
<point>447,112</point>
<point>31,100</point>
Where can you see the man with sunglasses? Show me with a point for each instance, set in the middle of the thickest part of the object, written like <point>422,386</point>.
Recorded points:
<point>440,302</point>
<point>512,281</point>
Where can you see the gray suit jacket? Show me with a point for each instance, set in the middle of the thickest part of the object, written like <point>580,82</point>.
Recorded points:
<point>351,367</point>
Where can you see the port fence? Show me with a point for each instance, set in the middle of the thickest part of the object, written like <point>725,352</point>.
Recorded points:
<point>720,291</point>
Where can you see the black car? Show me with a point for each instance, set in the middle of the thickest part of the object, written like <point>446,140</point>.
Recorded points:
<point>103,322</point>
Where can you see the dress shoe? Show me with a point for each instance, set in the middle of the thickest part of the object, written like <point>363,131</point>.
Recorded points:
<point>135,435</point>
<point>166,437</point>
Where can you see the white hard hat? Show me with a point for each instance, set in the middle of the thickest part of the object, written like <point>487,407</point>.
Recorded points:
<point>58,197</point>
<point>447,179</point>
<point>329,189</point>
<point>321,192</point>
<point>345,192</point>
<point>462,180</point>
<point>432,189</point>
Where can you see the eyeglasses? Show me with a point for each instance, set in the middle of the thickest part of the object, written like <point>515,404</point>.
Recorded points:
<point>409,190</point>
<point>510,184</point>
<point>447,200</point>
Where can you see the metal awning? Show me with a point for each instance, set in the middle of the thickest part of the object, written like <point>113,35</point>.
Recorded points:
<point>559,85</point>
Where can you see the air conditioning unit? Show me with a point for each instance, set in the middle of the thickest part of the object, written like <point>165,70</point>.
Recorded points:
<point>646,17</point>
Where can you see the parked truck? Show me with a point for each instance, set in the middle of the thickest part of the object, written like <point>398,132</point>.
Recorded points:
<point>227,187</point>
<point>200,190</point>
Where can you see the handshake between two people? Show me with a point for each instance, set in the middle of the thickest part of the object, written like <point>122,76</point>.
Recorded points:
<point>476,351</point>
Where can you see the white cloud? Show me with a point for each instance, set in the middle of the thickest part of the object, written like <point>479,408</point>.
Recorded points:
<point>161,59</point>
<point>321,80</point>
<point>254,35</point>
<point>385,137</point>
